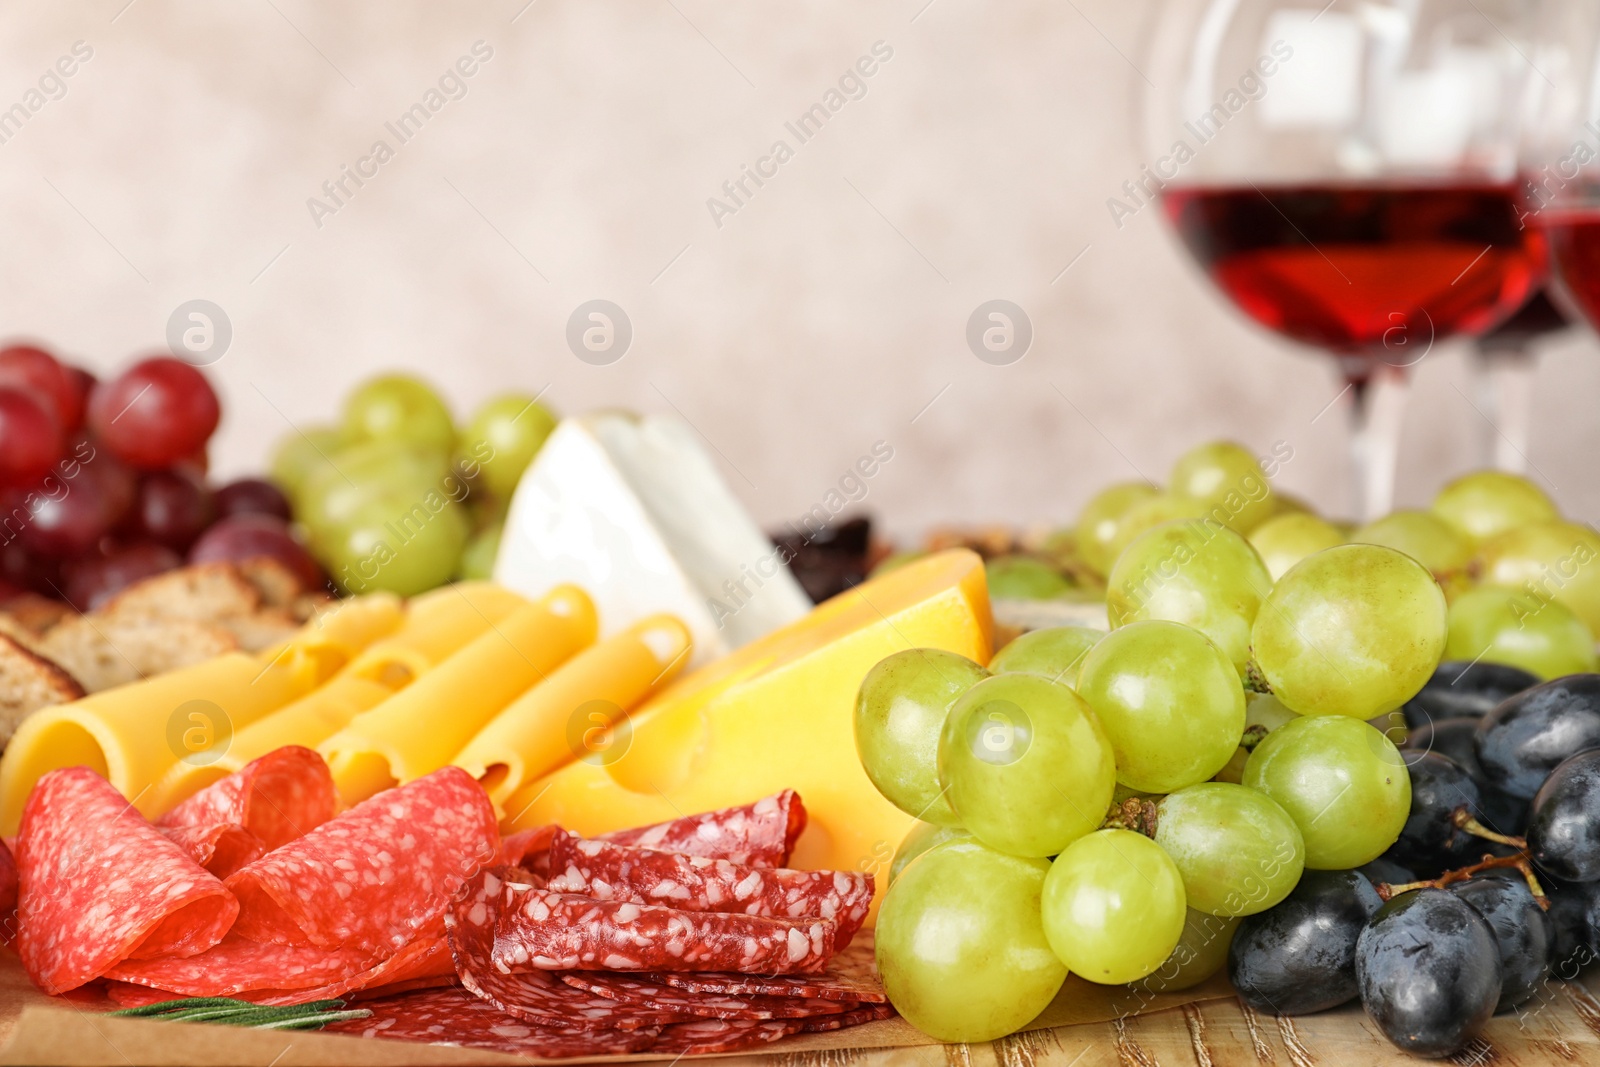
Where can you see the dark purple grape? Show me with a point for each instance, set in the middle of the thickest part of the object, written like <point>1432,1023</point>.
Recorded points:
<point>1439,787</point>
<point>1521,932</point>
<point>66,518</point>
<point>243,537</point>
<point>22,568</point>
<point>91,582</point>
<point>171,509</point>
<point>1463,688</point>
<point>252,496</point>
<point>1428,970</point>
<point>1522,740</point>
<point>1298,956</point>
<point>1387,869</point>
<point>1564,829</point>
<point>1574,909</point>
<point>1457,739</point>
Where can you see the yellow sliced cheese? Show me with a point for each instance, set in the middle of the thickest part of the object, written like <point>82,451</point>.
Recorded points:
<point>572,712</point>
<point>418,729</point>
<point>437,625</point>
<point>134,734</point>
<point>323,646</point>
<point>778,713</point>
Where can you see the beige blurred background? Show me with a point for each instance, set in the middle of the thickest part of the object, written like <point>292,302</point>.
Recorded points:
<point>827,313</point>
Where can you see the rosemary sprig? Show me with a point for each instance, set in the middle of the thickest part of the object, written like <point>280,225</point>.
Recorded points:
<point>227,1011</point>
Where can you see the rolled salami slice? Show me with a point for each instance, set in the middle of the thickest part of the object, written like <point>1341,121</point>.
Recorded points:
<point>760,834</point>
<point>542,930</point>
<point>371,878</point>
<point>220,849</point>
<point>608,871</point>
<point>239,968</point>
<point>281,796</point>
<point>98,885</point>
<point>456,1017</point>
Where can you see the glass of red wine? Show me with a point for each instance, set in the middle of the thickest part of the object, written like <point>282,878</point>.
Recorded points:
<point>1346,175</point>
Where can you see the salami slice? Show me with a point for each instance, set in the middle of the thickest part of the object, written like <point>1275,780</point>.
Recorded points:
<point>529,849</point>
<point>660,997</point>
<point>8,881</point>
<point>848,976</point>
<point>283,795</point>
<point>371,878</point>
<point>704,1036</point>
<point>220,849</point>
<point>558,931</point>
<point>426,959</point>
<point>534,997</point>
<point>456,1017</point>
<point>250,970</point>
<point>608,871</point>
<point>760,834</point>
<point>98,884</point>
<point>866,1013</point>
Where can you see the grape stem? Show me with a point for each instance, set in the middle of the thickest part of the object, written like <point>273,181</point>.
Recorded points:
<point>1463,819</point>
<point>1136,813</point>
<point>1254,680</point>
<point>1518,861</point>
<point>1253,736</point>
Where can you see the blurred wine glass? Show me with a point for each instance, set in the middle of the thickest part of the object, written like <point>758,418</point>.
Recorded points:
<point>1503,359</point>
<point>1345,173</point>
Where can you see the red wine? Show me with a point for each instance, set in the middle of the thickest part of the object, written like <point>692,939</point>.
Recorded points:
<point>1367,270</point>
<point>1575,253</point>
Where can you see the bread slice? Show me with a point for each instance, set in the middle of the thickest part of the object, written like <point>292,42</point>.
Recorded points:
<point>205,592</point>
<point>102,651</point>
<point>263,629</point>
<point>27,683</point>
<point>275,582</point>
<point>36,613</point>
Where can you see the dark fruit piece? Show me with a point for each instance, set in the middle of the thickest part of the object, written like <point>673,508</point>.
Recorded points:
<point>1564,829</point>
<point>1573,945</point>
<point>1522,740</point>
<point>67,516</point>
<point>172,509</point>
<point>243,537</point>
<point>22,568</point>
<point>831,560</point>
<point>252,496</point>
<point>1439,787</point>
<point>1299,955</point>
<point>30,436</point>
<point>1457,739</point>
<point>1428,970</point>
<point>1387,869</point>
<point>91,582</point>
<point>1462,688</point>
<point>35,369</point>
<point>155,413</point>
<point>1521,932</point>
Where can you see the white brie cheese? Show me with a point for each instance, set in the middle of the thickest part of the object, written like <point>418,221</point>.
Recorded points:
<point>632,510</point>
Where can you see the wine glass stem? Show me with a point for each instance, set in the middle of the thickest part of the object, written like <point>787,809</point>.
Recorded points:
<point>1377,412</point>
<point>1505,392</point>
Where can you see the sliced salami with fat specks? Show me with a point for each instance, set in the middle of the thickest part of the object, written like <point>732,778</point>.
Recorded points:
<point>283,795</point>
<point>562,932</point>
<point>606,870</point>
<point>371,878</point>
<point>237,967</point>
<point>456,1017</point>
<point>220,849</point>
<point>98,884</point>
<point>660,997</point>
<point>723,1035</point>
<point>760,834</point>
<point>848,976</point>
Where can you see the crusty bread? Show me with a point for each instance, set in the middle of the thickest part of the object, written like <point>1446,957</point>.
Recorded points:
<point>206,592</point>
<point>262,629</point>
<point>27,683</point>
<point>36,613</point>
<point>275,582</point>
<point>103,651</point>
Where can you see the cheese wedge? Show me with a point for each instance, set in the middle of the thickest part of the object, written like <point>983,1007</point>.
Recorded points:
<point>634,511</point>
<point>134,734</point>
<point>419,729</point>
<point>573,713</point>
<point>778,714</point>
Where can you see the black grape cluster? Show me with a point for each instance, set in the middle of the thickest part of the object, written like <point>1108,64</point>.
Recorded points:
<point>1504,832</point>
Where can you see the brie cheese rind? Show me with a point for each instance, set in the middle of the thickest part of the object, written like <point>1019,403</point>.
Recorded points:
<point>632,510</point>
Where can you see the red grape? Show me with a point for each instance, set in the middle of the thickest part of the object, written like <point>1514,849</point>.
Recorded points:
<point>171,509</point>
<point>33,368</point>
<point>20,567</point>
<point>155,413</point>
<point>92,581</point>
<point>66,518</point>
<point>252,496</point>
<point>30,436</point>
<point>242,537</point>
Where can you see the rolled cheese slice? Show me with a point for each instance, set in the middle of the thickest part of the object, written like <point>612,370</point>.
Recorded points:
<point>580,710</point>
<point>437,625</point>
<point>135,733</point>
<point>418,729</point>
<point>324,645</point>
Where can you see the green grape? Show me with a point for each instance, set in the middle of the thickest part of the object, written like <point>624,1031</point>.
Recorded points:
<point>502,439</point>
<point>1289,504</point>
<point>1147,515</point>
<point>1548,561</point>
<point>1169,701</point>
<point>399,407</point>
<point>900,709</point>
<point>477,559</point>
<point>1504,626</point>
<point>1202,951</point>
<point>894,561</point>
<point>1025,764</point>
<point>1341,781</point>
<point>1199,574</point>
<point>1113,906</point>
<point>1101,519</point>
<point>1054,652</point>
<point>923,837</point>
<point>1354,630</point>
<point>960,944</point>
<point>395,543</point>
<point>334,495</point>
<point>1229,479</point>
<point>1263,713</point>
<point>1024,578</point>
<point>301,453</point>
<point>1426,538</point>
<point>1237,850</point>
<point>1286,539</point>
<point>1484,504</point>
